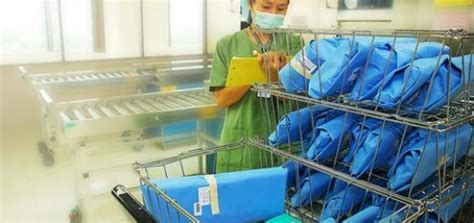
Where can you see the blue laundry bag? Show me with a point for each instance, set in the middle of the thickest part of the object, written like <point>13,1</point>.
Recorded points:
<point>296,124</point>
<point>439,146</point>
<point>410,85</point>
<point>296,74</point>
<point>382,62</point>
<point>340,71</point>
<point>379,143</point>
<point>246,196</point>
<point>328,135</point>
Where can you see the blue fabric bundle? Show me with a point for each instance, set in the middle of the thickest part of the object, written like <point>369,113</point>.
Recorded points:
<point>340,71</point>
<point>327,136</point>
<point>448,210</point>
<point>445,212</point>
<point>438,96</point>
<point>246,196</point>
<point>382,61</point>
<point>379,141</point>
<point>368,214</point>
<point>294,169</point>
<point>358,135</point>
<point>312,188</point>
<point>414,83</point>
<point>296,74</point>
<point>421,155</point>
<point>328,220</point>
<point>342,199</point>
<point>297,124</point>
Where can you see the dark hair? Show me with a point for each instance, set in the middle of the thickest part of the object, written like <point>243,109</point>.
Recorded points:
<point>253,1</point>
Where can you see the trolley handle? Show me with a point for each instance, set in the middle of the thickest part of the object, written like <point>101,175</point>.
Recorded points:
<point>132,205</point>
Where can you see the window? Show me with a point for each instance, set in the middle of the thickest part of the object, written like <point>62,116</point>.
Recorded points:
<point>101,29</point>
<point>34,31</point>
<point>187,23</point>
<point>173,27</point>
<point>27,29</point>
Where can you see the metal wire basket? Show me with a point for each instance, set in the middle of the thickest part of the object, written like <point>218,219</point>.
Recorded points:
<point>202,162</point>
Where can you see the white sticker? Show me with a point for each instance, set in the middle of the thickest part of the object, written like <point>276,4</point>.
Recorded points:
<point>308,64</point>
<point>263,94</point>
<point>197,209</point>
<point>204,197</point>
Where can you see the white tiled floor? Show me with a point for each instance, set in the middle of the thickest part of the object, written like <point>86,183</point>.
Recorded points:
<point>34,193</point>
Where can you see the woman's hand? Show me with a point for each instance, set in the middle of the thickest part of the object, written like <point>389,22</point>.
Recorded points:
<point>272,62</point>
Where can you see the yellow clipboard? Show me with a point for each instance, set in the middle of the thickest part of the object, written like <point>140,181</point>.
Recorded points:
<point>245,71</point>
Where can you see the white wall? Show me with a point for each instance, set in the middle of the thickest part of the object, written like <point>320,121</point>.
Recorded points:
<point>222,19</point>
<point>310,14</point>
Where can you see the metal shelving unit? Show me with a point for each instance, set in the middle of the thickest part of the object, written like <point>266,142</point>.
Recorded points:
<point>428,190</point>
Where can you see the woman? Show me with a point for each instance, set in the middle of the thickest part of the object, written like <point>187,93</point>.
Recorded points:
<point>246,114</point>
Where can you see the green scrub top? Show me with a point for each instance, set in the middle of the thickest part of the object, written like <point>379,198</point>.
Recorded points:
<point>252,116</point>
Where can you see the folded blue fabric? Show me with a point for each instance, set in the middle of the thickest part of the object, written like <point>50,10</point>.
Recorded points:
<point>322,119</point>
<point>294,169</point>
<point>245,196</point>
<point>423,151</point>
<point>414,83</point>
<point>342,200</point>
<point>312,188</point>
<point>383,61</point>
<point>296,74</point>
<point>446,211</point>
<point>358,135</point>
<point>328,220</point>
<point>296,124</point>
<point>340,71</point>
<point>328,135</point>
<point>377,145</point>
<point>367,215</point>
<point>438,96</point>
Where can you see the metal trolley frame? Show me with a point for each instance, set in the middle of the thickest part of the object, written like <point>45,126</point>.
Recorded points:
<point>413,204</point>
<point>81,116</point>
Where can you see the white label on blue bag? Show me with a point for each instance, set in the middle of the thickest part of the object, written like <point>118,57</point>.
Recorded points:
<point>197,209</point>
<point>204,196</point>
<point>308,64</point>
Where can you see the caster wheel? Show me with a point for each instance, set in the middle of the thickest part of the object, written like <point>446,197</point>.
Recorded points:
<point>125,136</point>
<point>75,215</point>
<point>48,160</point>
<point>42,147</point>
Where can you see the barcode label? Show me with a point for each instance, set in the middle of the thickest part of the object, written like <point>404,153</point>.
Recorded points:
<point>197,209</point>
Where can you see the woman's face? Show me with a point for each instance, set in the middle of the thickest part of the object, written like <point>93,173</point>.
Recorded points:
<point>269,6</point>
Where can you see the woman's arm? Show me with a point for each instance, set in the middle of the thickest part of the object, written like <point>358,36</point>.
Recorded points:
<point>229,96</point>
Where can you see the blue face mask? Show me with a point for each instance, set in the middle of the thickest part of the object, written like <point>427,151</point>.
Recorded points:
<point>268,20</point>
